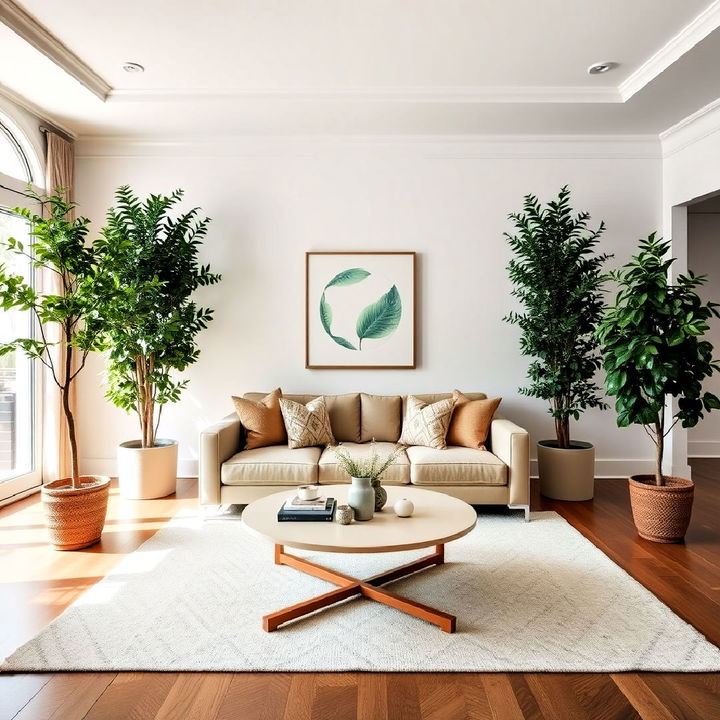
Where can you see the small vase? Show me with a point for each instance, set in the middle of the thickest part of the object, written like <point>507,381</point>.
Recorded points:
<point>380,495</point>
<point>344,515</point>
<point>361,498</point>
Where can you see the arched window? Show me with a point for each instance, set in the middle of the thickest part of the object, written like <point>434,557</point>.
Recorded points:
<point>13,160</point>
<point>20,410</point>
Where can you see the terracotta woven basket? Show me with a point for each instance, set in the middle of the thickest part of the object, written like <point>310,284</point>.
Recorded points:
<point>75,516</point>
<point>661,513</point>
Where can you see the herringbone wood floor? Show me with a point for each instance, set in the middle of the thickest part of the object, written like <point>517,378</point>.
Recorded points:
<point>37,583</point>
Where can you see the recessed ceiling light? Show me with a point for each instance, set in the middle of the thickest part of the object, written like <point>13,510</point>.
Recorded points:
<point>600,68</point>
<point>131,67</point>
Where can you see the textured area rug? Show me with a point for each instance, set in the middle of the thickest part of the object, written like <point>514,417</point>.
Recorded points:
<point>531,596</point>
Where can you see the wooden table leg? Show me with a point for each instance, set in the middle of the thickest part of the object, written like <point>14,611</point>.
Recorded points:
<point>349,586</point>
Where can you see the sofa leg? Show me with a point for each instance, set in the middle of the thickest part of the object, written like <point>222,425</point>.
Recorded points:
<point>524,508</point>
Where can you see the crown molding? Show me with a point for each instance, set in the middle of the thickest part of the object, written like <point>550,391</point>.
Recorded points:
<point>30,30</point>
<point>419,94</point>
<point>695,31</point>
<point>701,124</point>
<point>36,110</point>
<point>461,147</point>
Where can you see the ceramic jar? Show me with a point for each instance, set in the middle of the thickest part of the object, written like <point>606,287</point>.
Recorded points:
<point>361,498</point>
<point>380,495</point>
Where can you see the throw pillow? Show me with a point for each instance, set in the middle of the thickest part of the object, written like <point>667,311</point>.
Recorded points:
<point>471,420</point>
<point>262,420</point>
<point>307,425</point>
<point>426,423</point>
<point>380,417</point>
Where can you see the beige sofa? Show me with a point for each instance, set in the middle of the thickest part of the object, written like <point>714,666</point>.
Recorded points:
<point>497,476</point>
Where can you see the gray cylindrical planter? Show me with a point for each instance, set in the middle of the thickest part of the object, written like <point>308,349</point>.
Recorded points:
<point>566,474</point>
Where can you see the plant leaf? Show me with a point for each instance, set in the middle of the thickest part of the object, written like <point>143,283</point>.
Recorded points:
<point>325,314</point>
<point>348,277</point>
<point>326,320</point>
<point>342,341</point>
<point>381,318</point>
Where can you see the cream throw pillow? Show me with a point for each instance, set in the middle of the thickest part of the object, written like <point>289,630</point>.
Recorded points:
<point>426,424</point>
<point>307,425</point>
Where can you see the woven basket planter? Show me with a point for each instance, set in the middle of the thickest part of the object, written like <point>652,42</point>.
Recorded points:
<point>661,513</point>
<point>75,516</point>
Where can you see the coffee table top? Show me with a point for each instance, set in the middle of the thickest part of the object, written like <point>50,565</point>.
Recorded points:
<point>438,518</point>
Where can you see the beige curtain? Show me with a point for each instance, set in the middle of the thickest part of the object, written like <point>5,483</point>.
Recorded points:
<point>60,173</point>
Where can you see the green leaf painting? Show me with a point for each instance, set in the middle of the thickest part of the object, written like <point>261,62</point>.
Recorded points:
<point>381,318</point>
<point>377,320</point>
<point>348,277</point>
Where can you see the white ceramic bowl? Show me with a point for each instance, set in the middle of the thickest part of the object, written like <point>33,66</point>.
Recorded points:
<point>308,492</point>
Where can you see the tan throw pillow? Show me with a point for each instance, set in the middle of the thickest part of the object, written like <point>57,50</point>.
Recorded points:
<point>380,417</point>
<point>262,420</point>
<point>471,420</point>
<point>307,425</point>
<point>426,424</point>
<point>344,412</point>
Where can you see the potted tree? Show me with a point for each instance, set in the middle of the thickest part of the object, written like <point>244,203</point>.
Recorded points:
<point>69,327</point>
<point>558,278</point>
<point>653,347</point>
<point>152,326</point>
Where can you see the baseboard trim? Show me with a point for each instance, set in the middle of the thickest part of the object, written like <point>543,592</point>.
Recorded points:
<point>108,466</point>
<point>704,448</point>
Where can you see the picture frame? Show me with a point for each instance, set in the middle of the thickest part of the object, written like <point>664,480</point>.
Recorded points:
<point>360,310</point>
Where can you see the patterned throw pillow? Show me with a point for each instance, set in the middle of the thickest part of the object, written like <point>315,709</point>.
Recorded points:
<point>307,425</point>
<point>262,420</point>
<point>426,424</point>
<point>471,421</point>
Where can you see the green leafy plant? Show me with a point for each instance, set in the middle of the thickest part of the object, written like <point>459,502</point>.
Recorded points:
<point>72,320</point>
<point>369,467</point>
<point>558,278</point>
<point>377,320</point>
<point>653,346</point>
<point>153,323</point>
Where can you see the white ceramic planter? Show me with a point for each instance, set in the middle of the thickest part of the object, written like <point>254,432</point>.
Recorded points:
<point>566,474</point>
<point>146,473</point>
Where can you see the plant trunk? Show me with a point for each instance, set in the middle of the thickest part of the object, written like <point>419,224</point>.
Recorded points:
<point>562,430</point>
<point>146,402</point>
<point>65,392</point>
<point>660,447</point>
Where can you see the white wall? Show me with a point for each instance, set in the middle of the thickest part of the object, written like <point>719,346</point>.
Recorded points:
<point>704,258</point>
<point>691,170</point>
<point>272,200</point>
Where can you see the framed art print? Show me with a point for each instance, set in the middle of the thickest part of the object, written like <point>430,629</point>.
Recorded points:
<point>360,310</point>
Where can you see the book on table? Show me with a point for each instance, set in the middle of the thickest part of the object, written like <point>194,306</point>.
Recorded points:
<point>296,503</point>
<point>292,513</point>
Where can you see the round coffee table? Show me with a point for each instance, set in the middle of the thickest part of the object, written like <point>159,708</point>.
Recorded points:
<point>438,519</point>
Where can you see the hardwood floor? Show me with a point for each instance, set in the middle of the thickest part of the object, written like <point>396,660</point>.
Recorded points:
<point>37,583</point>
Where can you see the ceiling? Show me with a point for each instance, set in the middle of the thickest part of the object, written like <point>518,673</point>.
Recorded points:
<point>377,66</point>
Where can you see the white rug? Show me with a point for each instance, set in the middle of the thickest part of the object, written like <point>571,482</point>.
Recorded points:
<point>528,597</point>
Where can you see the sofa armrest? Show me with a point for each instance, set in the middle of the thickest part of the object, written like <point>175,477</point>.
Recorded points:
<point>511,444</point>
<point>217,443</point>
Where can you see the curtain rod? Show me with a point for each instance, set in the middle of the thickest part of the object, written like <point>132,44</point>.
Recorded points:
<point>45,129</point>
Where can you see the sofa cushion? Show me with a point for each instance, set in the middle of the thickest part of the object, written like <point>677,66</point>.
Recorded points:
<point>344,412</point>
<point>329,473</point>
<point>275,465</point>
<point>380,417</point>
<point>262,420</point>
<point>307,425</point>
<point>455,466</point>
<point>470,423</point>
<point>426,424</point>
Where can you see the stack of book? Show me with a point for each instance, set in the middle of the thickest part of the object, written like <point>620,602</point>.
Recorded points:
<point>318,510</point>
